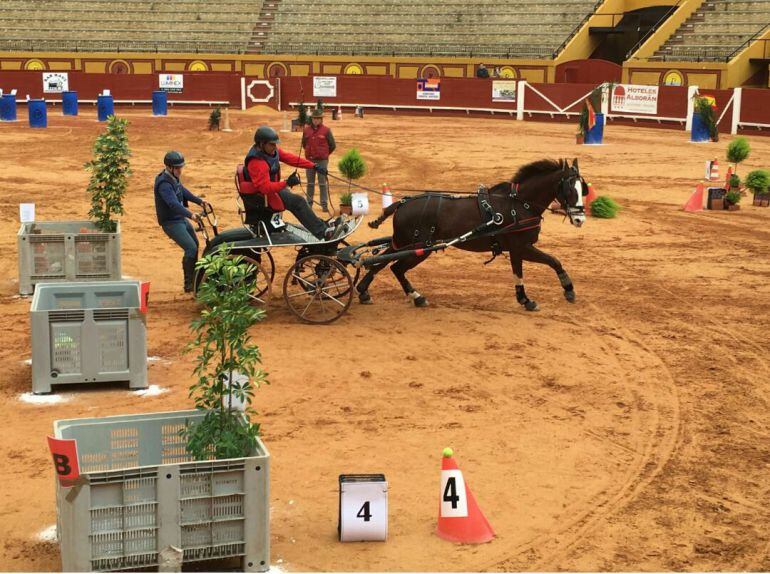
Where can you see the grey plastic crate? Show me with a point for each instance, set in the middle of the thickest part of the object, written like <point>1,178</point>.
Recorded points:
<point>66,251</point>
<point>87,333</point>
<point>143,494</point>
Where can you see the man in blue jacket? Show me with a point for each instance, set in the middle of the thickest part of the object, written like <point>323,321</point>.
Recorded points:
<point>171,201</point>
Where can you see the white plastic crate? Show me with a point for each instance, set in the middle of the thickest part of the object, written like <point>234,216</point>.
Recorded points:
<point>143,494</point>
<point>88,332</point>
<point>66,251</point>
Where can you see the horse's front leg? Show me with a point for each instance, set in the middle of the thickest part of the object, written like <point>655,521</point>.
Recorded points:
<point>532,253</point>
<point>518,271</point>
<point>399,269</point>
<point>363,285</point>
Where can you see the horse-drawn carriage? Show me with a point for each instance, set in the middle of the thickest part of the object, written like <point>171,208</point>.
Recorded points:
<point>318,287</point>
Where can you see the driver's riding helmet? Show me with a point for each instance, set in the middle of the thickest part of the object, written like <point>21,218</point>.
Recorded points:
<point>265,134</point>
<point>174,159</point>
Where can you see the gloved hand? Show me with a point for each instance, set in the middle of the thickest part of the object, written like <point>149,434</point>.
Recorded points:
<point>292,180</point>
<point>321,169</point>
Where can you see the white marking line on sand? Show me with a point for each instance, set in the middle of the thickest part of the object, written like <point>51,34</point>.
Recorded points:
<point>47,534</point>
<point>34,399</point>
<point>151,391</point>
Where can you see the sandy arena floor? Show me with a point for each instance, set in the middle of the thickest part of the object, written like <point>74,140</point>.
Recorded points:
<point>628,431</point>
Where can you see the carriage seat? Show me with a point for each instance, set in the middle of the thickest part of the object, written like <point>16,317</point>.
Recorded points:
<point>255,207</point>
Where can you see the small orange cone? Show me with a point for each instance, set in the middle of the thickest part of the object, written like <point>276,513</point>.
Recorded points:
<point>714,171</point>
<point>589,198</point>
<point>695,203</point>
<point>729,175</point>
<point>459,517</point>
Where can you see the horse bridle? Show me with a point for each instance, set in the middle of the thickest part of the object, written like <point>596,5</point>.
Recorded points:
<point>562,195</point>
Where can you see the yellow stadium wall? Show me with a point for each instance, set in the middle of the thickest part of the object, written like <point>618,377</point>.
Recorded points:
<point>268,66</point>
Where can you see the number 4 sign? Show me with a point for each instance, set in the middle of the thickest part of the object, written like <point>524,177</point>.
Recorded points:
<point>454,502</point>
<point>363,507</point>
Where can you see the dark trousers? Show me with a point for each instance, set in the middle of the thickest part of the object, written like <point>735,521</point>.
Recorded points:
<point>183,234</point>
<point>297,205</point>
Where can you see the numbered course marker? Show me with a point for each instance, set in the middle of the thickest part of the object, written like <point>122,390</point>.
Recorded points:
<point>363,514</point>
<point>65,459</point>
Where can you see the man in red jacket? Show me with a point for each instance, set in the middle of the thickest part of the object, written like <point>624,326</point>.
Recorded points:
<point>319,144</point>
<point>263,166</point>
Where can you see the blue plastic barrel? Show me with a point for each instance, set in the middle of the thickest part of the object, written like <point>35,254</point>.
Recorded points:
<point>700,131</point>
<point>159,103</point>
<point>38,116</point>
<point>8,108</point>
<point>69,103</point>
<point>105,107</point>
<point>596,134</point>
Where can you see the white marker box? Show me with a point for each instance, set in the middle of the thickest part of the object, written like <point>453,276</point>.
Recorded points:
<point>363,514</point>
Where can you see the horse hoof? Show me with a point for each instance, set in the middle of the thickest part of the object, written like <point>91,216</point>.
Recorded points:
<point>421,302</point>
<point>570,296</point>
<point>364,298</point>
<point>531,306</point>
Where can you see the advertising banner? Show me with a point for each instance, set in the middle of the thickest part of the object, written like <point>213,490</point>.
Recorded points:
<point>635,99</point>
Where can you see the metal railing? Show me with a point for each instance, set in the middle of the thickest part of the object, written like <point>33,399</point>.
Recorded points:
<point>654,29</point>
<point>747,42</point>
<point>450,49</point>
<point>45,45</point>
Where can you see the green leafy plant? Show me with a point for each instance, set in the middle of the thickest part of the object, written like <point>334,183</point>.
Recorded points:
<point>735,182</point>
<point>110,169</point>
<point>225,350</point>
<point>733,197</point>
<point>703,107</point>
<point>319,105</point>
<point>738,150</point>
<point>302,115</point>
<point>346,198</point>
<point>215,118</point>
<point>604,207</point>
<point>758,181</point>
<point>352,166</point>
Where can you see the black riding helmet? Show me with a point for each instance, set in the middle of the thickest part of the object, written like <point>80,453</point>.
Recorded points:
<point>174,159</point>
<point>265,134</point>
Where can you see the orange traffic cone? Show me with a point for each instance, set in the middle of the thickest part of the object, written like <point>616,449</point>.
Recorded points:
<point>589,198</point>
<point>695,203</point>
<point>459,518</point>
<point>714,171</point>
<point>729,175</point>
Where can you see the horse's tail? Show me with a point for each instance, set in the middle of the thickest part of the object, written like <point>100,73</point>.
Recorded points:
<point>387,212</point>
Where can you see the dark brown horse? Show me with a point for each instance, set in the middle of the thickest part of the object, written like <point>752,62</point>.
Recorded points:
<point>513,212</point>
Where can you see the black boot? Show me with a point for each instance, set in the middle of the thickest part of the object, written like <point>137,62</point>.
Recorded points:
<point>188,266</point>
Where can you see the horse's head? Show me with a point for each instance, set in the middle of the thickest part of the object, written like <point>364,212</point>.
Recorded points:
<point>572,188</point>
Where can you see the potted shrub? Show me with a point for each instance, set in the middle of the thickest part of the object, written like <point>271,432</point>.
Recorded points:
<point>732,199</point>
<point>346,203</point>
<point>604,207</point>
<point>187,485</point>
<point>298,124</point>
<point>704,125</point>
<point>735,182</point>
<point>214,119</point>
<point>737,151</point>
<point>352,166</point>
<point>82,250</point>
<point>758,181</point>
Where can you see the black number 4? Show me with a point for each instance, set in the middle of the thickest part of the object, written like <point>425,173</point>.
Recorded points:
<point>450,492</point>
<point>364,512</point>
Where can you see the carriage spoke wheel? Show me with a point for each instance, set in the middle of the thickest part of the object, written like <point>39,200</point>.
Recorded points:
<point>265,260</point>
<point>318,289</point>
<point>260,295</point>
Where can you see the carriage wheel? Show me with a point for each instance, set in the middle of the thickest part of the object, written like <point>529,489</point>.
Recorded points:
<point>260,295</point>
<point>266,261</point>
<point>318,289</point>
<point>357,274</point>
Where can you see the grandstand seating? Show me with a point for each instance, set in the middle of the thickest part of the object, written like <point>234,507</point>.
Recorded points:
<point>526,28</point>
<point>716,31</point>
<point>135,25</point>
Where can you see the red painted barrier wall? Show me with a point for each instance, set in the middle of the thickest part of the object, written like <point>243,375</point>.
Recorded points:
<point>197,86</point>
<point>588,72</point>
<point>755,106</point>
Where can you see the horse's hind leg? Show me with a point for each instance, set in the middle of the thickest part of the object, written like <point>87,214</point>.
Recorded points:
<point>400,268</point>
<point>521,294</point>
<point>532,253</point>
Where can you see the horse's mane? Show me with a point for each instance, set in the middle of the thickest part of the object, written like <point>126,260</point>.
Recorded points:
<point>540,167</point>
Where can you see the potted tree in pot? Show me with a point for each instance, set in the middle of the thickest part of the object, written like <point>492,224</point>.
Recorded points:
<point>704,123</point>
<point>185,486</point>
<point>346,203</point>
<point>758,181</point>
<point>352,166</point>
<point>591,120</point>
<point>732,200</point>
<point>298,124</point>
